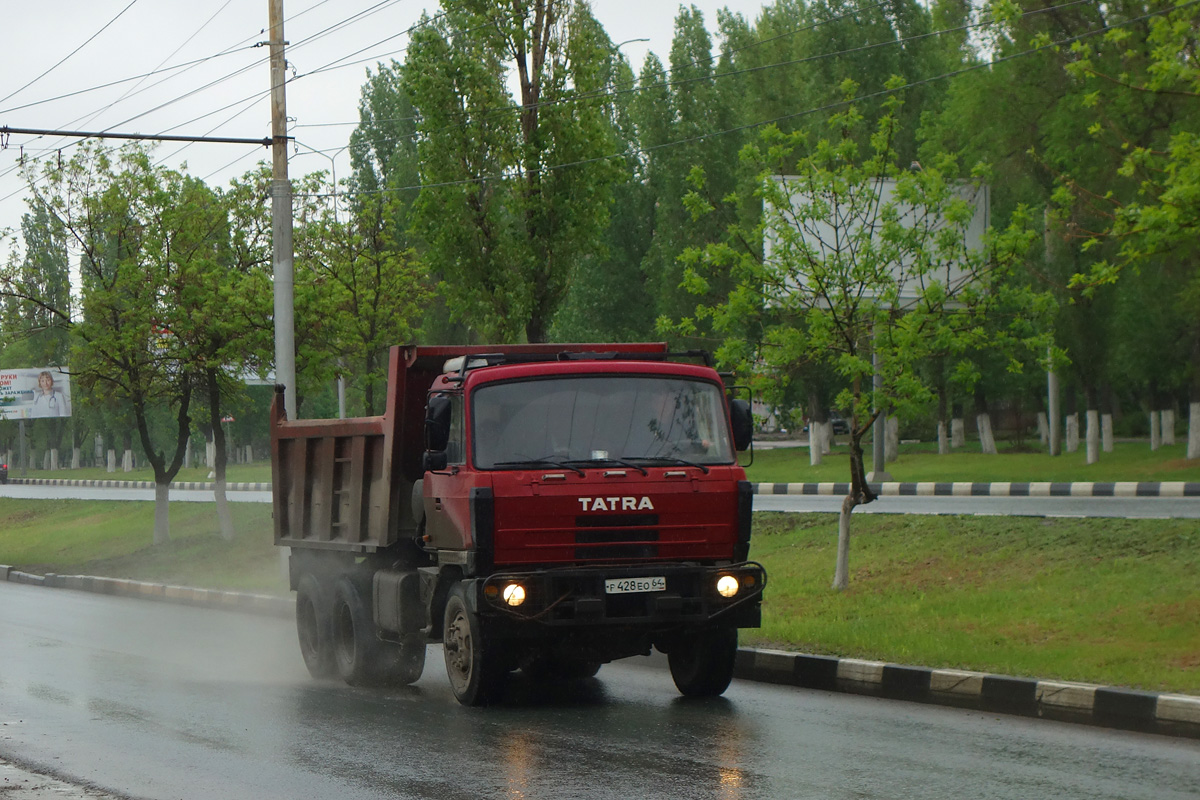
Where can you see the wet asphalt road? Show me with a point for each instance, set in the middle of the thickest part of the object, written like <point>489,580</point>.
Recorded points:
<point>161,701</point>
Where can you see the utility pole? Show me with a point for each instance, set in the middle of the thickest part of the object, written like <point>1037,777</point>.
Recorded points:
<point>281,218</point>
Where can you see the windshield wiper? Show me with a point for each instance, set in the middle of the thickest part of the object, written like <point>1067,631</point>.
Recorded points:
<point>672,460</point>
<point>620,461</point>
<point>527,462</point>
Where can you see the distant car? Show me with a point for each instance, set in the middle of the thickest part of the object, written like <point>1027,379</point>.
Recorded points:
<point>3,473</point>
<point>840,425</point>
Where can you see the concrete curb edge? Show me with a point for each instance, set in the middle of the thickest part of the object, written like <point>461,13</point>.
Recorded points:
<point>1151,712</point>
<point>890,489</point>
<point>1170,714</point>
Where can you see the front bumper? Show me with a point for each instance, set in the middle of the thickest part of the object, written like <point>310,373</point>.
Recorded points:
<point>576,597</point>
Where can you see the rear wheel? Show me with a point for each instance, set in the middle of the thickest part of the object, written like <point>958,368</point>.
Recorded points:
<point>356,646</point>
<point>702,663</point>
<point>474,665</point>
<point>313,628</point>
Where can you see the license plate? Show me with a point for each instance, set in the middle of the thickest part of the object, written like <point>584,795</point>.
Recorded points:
<point>627,585</point>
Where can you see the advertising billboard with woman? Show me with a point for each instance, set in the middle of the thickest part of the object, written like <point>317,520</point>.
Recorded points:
<point>34,393</point>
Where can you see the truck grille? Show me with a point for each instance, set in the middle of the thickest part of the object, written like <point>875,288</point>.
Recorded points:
<point>616,537</point>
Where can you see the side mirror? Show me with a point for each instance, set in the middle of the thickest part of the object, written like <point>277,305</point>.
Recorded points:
<point>743,424</point>
<point>434,461</point>
<point>437,423</point>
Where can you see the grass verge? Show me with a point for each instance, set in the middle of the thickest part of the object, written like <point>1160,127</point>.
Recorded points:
<point>1104,601</point>
<point>1129,461</point>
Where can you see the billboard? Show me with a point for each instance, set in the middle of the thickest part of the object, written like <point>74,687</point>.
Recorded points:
<point>856,214</point>
<point>34,393</point>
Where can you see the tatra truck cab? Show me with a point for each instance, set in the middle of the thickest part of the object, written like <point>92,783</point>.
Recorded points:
<point>547,508</point>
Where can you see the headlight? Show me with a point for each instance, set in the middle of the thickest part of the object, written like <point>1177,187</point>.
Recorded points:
<point>727,586</point>
<point>513,594</point>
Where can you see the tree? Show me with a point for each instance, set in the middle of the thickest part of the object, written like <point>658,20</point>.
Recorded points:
<point>851,274</point>
<point>143,232</point>
<point>515,192</point>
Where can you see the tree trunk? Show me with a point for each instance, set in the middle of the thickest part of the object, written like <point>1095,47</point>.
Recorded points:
<point>127,461</point>
<point>111,463</point>
<point>841,573</point>
<point>1043,428</point>
<point>1093,436</point>
<point>816,444</point>
<point>891,442</point>
<point>1168,426</point>
<point>828,440</point>
<point>76,457</point>
<point>162,513</point>
<point>943,439</point>
<point>1155,434</point>
<point>1193,450</point>
<point>1072,433</point>
<point>1106,432</point>
<point>958,432</point>
<point>220,449</point>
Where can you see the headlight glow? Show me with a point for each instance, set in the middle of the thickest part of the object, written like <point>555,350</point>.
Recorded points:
<point>514,594</point>
<point>727,586</point>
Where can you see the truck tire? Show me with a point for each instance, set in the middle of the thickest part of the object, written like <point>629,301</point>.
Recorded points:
<point>356,646</point>
<point>477,672</point>
<point>702,664</point>
<point>313,628</point>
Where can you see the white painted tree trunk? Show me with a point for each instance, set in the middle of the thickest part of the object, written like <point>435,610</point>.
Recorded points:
<point>187,454</point>
<point>1168,426</point>
<point>162,509</point>
<point>53,454</point>
<point>1155,431</point>
<point>958,432</point>
<point>1043,428</point>
<point>816,448</point>
<point>1193,450</point>
<point>111,461</point>
<point>841,573</point>
<point>127,461</point>
<point>891,442</point>
<point>828,439</point>
<point>98,451</point>
<point>249,454</point>
<point>987,442</point>
<point>1093,436</point>
<point>943,439</point>
<point>1072,433</point>
<point>210,455</point>
<point>1106,433</point>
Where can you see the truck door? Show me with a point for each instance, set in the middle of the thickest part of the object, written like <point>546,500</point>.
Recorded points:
<point>447,515</point>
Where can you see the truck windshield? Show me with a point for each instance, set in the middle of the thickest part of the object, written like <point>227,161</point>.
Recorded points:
<point>641,420</point>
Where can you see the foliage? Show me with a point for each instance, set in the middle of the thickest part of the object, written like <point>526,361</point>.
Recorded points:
<point>861,279</point>
<point>515,191</point>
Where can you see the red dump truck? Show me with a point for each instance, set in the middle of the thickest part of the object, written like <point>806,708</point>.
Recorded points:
<point>548,508</point>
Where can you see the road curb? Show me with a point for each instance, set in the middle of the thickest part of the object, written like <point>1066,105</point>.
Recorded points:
<point>1129,709</point>
<point>995,489</point>
<point>837,489</point>
<point>196,486</point>
<point>1170,714</point>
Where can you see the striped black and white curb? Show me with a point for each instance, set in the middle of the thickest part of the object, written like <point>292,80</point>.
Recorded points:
<point>891,489</point>
<point>995,489</point>
<point>197,486</point>
<point>1173,714</point>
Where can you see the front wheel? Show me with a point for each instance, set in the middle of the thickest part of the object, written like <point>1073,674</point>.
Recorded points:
<point>473,664</point>
<point>702,663</point>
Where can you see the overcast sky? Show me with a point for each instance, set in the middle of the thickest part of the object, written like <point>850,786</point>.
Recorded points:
<point>62,55</point>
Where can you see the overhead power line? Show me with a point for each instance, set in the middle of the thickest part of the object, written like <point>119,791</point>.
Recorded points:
<point>5,130</point>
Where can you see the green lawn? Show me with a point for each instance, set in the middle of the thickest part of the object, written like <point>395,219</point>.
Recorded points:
<point>1129,461</point>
